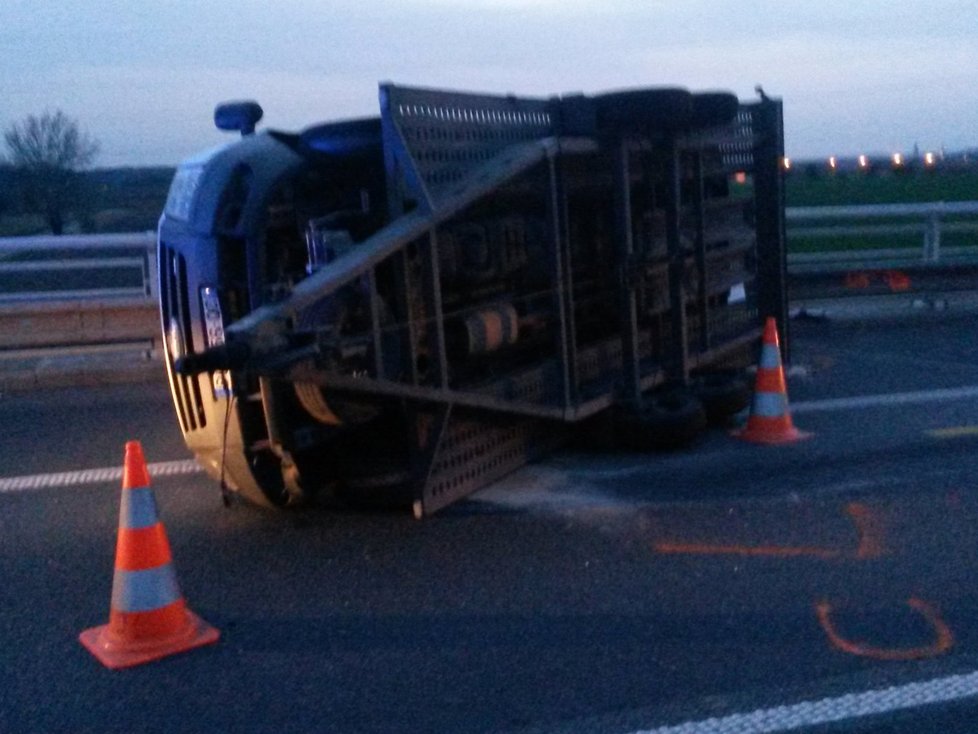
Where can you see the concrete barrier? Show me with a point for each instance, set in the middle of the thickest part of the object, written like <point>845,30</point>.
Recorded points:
<point>71,330</point>
<point>52,344</point>
<point>66,325</point>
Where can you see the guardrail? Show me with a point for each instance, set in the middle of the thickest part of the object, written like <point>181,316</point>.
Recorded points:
<point>843,272</point>
<point>78,294</point>
<point>928,220</point>
<point>78,266</point>
<point>90,293</point>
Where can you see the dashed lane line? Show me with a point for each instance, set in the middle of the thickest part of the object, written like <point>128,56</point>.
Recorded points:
<point>187,466</point>
<point>874,401</point>
<point>92,476</point>
<point>834,709</point>
<point>953,432</point>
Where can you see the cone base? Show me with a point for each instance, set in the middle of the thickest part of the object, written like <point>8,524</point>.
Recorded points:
<point>768,437</point>
<point>115,655</point>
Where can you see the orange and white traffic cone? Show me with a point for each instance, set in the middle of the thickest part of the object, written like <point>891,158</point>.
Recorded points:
<point>770,421</point>
<point>148,618</point>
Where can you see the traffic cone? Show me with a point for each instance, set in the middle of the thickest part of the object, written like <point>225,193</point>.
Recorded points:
<point>770,421</point>
<point>148,618</point>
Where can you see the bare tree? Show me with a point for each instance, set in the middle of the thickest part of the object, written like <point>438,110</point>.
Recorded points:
<point>48,152</point>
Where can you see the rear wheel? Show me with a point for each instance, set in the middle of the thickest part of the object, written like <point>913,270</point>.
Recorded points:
<point>390,490</point>
<point>723,394</point>
<point>713,109</point>
<point>667,419</point>
<point>373,464</point>
<point>641,110</point>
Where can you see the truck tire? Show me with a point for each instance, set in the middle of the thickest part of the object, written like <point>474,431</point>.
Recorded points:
<point>378,491</point>
<point>713,109</point>
<point>667,419</point>
<point>723,394</point>
<point>374,466</point>
<point>642,110</point>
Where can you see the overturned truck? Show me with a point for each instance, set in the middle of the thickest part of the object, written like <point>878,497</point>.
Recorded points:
<point>399,310</point>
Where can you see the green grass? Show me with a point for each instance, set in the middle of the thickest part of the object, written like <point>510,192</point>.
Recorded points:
<point>853,188</point>
<point>880,242</point>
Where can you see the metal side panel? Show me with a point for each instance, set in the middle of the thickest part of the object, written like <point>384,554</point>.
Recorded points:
<point>478,449</point>
<point>438,138</point>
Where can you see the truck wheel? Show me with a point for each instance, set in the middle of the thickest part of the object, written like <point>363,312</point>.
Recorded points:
<point>639,110</point>
<point>597,433</point>
<point>374,466</point>
<point>668,419</point>
<point>713,109</point>
<point>381,490</point>
<point>270,483</point>
<point>723,394</point>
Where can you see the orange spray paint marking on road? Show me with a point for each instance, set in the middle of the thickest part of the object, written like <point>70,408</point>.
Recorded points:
<point>943,642</point>
<point>868,527</point>
<point>870,531</point>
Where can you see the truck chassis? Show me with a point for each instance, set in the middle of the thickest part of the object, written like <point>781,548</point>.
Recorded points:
<point>407,309</point>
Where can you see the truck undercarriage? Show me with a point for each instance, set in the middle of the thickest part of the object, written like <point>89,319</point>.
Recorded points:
<point>403,309</point>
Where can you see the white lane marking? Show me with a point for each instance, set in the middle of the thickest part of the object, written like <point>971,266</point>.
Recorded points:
<point>93,476</point>
<point>836,708</point>
<point>188,466</point>
<point>873,401</point>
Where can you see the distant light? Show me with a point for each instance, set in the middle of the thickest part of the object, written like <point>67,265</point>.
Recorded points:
<point>930,160</point>
<point>897,159</point>
<point>833,162</point>
<point>863,161</point>
<point>740,177</point>
<point>786,163</point>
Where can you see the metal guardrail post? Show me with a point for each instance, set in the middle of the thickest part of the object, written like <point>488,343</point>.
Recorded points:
<point>932,238</point>
<point>150,272</point>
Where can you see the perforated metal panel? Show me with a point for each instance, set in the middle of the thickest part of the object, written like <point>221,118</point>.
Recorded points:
<point>738,150</point>
<point>479,449</point>
<point>446,135</point>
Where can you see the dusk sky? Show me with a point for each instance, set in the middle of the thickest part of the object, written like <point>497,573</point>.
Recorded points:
<point>143,77</point>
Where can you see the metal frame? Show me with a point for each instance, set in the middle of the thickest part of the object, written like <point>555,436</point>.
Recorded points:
<point>445,152</point>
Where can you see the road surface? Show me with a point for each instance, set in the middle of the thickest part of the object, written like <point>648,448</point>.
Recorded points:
<point>592,592</point>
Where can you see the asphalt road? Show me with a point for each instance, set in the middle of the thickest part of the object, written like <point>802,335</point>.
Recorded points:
<point>588,593</point>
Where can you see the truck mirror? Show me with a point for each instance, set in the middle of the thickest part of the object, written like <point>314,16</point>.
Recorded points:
<point>241,116</point>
